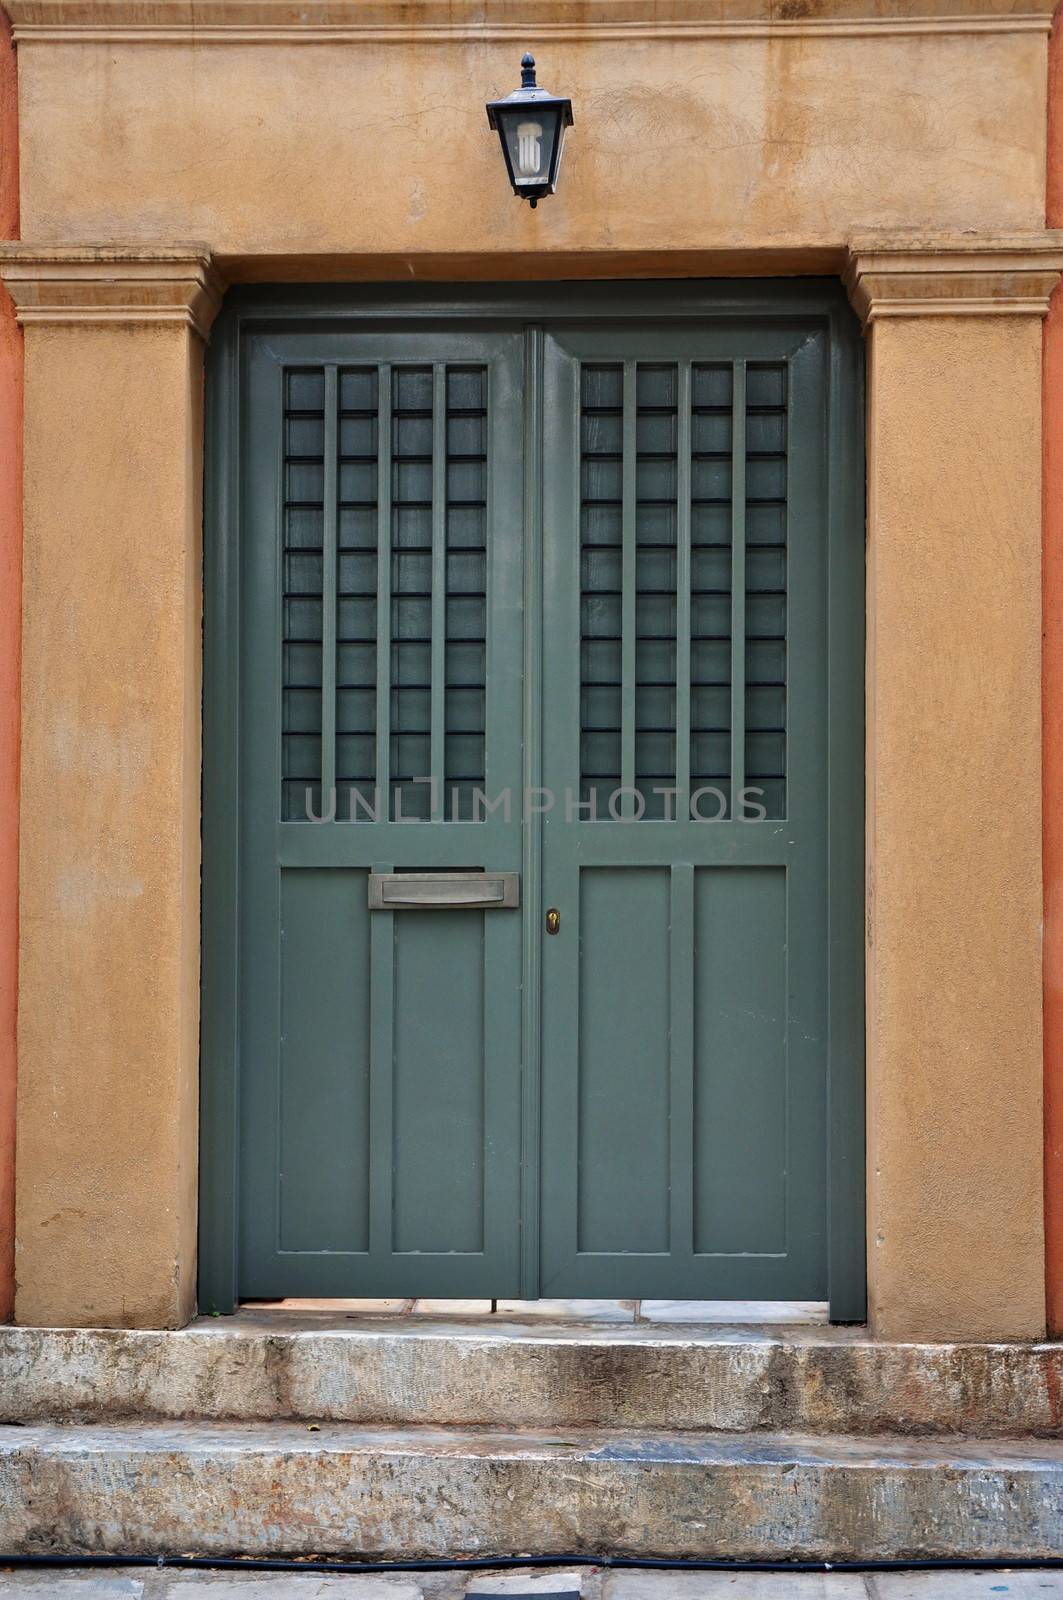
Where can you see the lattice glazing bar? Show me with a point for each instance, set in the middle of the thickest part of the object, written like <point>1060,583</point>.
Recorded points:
<point>301,648</point>
<point>357,609</point>
<point>683,583</point>
<point>601,581</point>
<point>412,553</point>
<point>738,587</point>
<point>329,579</point>
<point>710,585</point>
<point>628,594</point>
<point>655,588</point>
<point>439,590</point>
<point>767,399</point>
<point>383,597</point>
<point>466,580</point>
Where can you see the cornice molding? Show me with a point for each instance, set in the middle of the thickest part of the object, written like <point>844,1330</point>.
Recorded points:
<point>886,275</point>
<point>112,284</point>
<point>956,275</point>
<point>535,22</point>
<point>547,34</point>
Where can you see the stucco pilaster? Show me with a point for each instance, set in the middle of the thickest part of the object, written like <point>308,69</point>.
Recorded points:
<point>109,935</point>
<point>955,1236</point>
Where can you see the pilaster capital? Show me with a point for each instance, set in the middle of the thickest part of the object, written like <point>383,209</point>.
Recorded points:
<point>952,275</point>
<point>62,283</point>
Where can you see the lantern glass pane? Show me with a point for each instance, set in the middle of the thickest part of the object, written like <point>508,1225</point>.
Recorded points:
<point>530,134</point>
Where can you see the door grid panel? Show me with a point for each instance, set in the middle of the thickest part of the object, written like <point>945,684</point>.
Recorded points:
<point>385,602</point>
<point>683,588</point>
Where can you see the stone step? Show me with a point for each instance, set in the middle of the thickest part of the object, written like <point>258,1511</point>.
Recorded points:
<point>593,1583</point>
<point>267,1366</point>
<point>393,1494</point>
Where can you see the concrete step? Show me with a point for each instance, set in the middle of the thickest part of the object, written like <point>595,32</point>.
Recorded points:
<point>288,1489</point>
<point>593,1583</point>
<point>272,1366</point>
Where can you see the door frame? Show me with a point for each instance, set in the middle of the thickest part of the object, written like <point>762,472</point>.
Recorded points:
<point>258,309</point>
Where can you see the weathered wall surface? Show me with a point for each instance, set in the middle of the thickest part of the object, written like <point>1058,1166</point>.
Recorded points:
<point>110,827</point>
<point>276,148</point>
<point>1052,712</point>
<point>333,142</point>
<point>10,646</point>
<point>954,900</point>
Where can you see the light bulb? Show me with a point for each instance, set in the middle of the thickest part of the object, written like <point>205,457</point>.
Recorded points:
<point>529,137</point>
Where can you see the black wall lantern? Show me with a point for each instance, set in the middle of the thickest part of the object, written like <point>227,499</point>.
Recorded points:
<point>531,124</point>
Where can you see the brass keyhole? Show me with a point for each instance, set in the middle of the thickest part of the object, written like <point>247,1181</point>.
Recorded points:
<point>553,920</point>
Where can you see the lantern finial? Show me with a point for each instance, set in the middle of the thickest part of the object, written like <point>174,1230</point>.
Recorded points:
<point>527,70</point>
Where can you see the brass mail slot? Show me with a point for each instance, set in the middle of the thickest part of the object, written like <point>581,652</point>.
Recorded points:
<point>444,891</point>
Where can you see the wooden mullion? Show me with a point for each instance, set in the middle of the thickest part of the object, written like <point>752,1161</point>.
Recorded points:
<point>628,596</point>
<point>738,585</point>
<point>682,595</point>
<point>381,1077</point>
<point>681,1061</point>
<point>329,581</point>
<point>439,589</point>
<point>531,833</point>
<point>383,596</point>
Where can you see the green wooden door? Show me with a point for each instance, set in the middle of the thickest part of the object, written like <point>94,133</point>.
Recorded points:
<point>517,602</point>
<point>380,1094</point>
<point>684,994</point>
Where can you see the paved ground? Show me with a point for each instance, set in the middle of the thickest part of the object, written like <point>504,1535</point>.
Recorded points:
<point>593,1583</point>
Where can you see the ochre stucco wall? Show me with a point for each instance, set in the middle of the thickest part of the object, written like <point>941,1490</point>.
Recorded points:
<point>10,646</point>
<point>752,149</point>
<point>954,892</point>
<point>1052,713</point>
<point>110,826</point>
<point>278,148</point>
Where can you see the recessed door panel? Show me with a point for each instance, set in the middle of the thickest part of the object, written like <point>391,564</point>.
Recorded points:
<point>741,1071</point>
<point>323,1113</point>
<point>622,1094</point>
<point>438,1082</point>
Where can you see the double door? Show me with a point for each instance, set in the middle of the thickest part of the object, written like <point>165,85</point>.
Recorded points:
<point>538,747</point>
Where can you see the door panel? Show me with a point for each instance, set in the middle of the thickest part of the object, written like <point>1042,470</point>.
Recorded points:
<point>684,997</point>
<point>739,1133</point>
<point>380,1091</point>
<point>438,1176</point>
<point>622,1120</point>
<point>324,1062</point>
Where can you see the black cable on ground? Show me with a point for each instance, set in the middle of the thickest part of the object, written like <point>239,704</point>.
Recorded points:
<point>488,1563</point>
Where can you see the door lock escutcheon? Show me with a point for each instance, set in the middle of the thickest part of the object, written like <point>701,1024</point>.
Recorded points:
<point>553,920</point>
